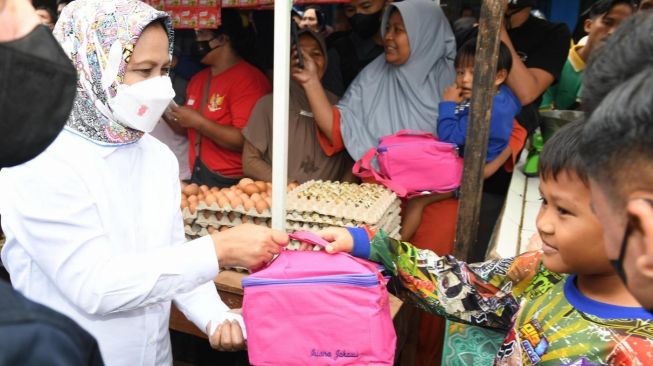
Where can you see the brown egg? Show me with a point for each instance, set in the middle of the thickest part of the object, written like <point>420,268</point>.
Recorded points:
<point>269,185</point>
<point>292,186</point>
<point>219,216</point>
<point>191,189</point>
<point>265,195</point>
<point>192,199</point>
<point>230,194</point>
<point>225,190</point>
<point>244,219</point>
<point>215,190</point>
<point>250,189</point>
<point>192,206</point>
<point>268,223</point>
<point>210,230</point>
<point>204,188</point>
<point>210,199</point>
<point>257,221</point>
<point>223,228</point>
<point>238,191</point>
<point>244,182</point>
<point>248,204</point>
<point>184,204</point>
<point>268,200</point>
<point>184,196</point>
<point>261,206</point>
<point>200,196</point>
<point>262,187</point>
<point>231,216</point>
<point>223,201</point>
<point>235,202</point>
<point>256,197</point>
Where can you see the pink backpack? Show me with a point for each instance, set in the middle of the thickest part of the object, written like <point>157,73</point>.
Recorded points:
<point>412,162</point>
<point>314,308</point>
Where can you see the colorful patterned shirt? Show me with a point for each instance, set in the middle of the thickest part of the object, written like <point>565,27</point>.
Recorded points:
<point>546,320</point>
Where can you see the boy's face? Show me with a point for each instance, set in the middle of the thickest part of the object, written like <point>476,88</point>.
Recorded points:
<point>601,27</point>
<point>638,256</point>
<point>465,80</point>
<point>571,234</point>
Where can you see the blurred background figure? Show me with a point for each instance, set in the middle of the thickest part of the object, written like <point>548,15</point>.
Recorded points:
<point>47,16</point>
<point>62,4</point>
<point>315,20</point>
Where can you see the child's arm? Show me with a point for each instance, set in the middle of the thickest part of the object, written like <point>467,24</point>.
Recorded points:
<point>450,127</point>
<point>494,165</point>
<point>483,294</point>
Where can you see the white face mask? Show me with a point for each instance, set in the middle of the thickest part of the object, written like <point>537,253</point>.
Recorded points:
<point>141,105</point>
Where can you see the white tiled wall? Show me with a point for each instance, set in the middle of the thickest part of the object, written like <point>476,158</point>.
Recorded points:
<point>517,222</point>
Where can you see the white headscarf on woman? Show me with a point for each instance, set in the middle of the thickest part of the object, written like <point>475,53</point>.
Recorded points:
<point>384,98</point>
<point>99,37</point>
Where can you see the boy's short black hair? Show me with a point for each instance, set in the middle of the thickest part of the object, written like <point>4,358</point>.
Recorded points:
<point>602,7</point>
<point>53,14</point>
<point>560,153</point>
<point>617,145</point>
<point>626,52</point>
<point>467,54</point>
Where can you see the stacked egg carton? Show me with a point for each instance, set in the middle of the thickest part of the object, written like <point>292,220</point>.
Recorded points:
<point>318,204</point>
<point>206,210</point>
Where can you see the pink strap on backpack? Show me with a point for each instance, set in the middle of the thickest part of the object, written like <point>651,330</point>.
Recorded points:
<point>364,169</point>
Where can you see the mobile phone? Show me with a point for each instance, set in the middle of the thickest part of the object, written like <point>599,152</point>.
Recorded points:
<point>295,41</point>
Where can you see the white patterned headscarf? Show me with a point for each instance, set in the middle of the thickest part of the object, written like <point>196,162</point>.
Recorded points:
<point>99,36</point>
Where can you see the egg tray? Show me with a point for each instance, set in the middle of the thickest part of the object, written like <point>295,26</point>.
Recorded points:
<point>216,219</point>
<point>313,217</point>
<point>365,203</point>
<point>202,206</point>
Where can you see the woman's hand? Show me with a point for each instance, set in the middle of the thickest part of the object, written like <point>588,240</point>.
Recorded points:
<point>185,117</point>
<point>306,75</point>
<point>340,239</point>
<point>247,245</point>
<point>452,93</point>
<point>228,337</point>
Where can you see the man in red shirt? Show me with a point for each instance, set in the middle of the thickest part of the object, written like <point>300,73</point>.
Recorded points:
<point>234,87</point>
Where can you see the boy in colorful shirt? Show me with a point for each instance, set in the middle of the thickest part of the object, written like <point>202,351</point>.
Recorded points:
<point>562,305</point>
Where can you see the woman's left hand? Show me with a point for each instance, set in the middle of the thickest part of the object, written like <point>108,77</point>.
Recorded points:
<point>185,117</point>
<point>228,337</point>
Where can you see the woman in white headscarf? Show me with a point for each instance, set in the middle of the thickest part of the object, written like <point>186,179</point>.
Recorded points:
<point>93,224</point>
<point>399,90</point>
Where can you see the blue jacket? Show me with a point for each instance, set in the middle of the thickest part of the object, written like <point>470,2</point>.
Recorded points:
<point>452,122</point>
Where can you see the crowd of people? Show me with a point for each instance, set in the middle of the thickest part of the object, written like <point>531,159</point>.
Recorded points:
<point>94,234</point>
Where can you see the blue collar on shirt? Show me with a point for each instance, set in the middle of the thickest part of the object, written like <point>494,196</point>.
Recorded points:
<point>600,309</point>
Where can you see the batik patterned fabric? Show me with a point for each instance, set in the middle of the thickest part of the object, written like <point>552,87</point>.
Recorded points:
<point>99,37</point>
<point>545,319</point>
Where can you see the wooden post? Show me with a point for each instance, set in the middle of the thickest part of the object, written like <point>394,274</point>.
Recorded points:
<point>478,129</point>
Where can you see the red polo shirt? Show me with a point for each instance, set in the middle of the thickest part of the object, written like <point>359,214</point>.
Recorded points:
<point>232,95</point>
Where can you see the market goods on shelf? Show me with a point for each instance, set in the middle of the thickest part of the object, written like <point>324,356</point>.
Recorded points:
<point>311,206</point>
<point>362,203</point>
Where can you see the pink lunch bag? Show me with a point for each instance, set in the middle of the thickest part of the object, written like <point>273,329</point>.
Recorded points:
<point>413,162</point>
<point>314,308</point>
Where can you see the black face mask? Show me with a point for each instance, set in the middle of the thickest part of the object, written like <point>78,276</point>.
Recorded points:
<point>366,25</point>
<point>618,264</point>
<point>202,48</point>
<point>38,83</point>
